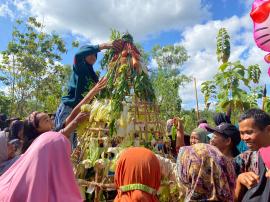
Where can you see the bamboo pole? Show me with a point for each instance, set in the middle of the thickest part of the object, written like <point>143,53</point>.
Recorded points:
<point>197,104</point>
<point>264,98</point>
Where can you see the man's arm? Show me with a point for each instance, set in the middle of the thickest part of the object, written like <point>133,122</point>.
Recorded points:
<point>94,49</point>
<point>245,181</point>
<point>105,46</point>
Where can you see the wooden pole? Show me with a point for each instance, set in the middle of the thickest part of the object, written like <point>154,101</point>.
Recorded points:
<point>197,104</point>
<point>264,98</point>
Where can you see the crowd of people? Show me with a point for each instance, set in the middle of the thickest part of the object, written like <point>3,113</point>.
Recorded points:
<point>222,163</point>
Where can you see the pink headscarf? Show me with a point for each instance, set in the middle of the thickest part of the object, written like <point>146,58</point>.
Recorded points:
<point>203,126</point>
<point>43,173</point>
<point>265,154</point>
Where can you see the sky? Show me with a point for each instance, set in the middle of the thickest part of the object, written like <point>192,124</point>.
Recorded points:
<point>191,23</point>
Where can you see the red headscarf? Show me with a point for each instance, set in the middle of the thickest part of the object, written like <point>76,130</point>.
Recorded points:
<point>137,165</point>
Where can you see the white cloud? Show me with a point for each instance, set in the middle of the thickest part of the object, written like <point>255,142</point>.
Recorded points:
<point>200,42</point>
<point>22,6</point>
<point>5,11</point>
<point>94,19</point>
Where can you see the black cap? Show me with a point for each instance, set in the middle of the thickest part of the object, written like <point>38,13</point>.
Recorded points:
<point>227,130</point>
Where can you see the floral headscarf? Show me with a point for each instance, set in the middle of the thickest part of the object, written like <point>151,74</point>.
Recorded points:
<point>205,174</point>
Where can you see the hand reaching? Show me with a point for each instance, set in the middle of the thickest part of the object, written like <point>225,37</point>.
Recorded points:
<point>100,85</point>
<point>81,117</point>
<point>248,179</point>
<point>179,124</point>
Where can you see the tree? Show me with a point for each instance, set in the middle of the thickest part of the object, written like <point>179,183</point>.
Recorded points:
<point>234,85</point>
<point>223,46</point>
<point>168,78</point>
<point>5,102</point>
<point>190,120</point>
<point>31,68</point>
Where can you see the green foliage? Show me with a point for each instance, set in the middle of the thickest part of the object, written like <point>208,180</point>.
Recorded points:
<point>267,104</point>
<point>223,45</point>
<point>208,88</point>
<point>75,44</point>
<point>144,55</point>
<point>168,78</point>
<point>5,102</point>
<point>234,85</point>
<point>110,52</point>
<point>170,57</point>
<point>190,119</point>
<point>31,68</point>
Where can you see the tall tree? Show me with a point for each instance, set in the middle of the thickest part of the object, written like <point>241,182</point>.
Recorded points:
<point>31,68</point>
<point>168,77</point>
<point>5,102</point>
<point>234,85</point>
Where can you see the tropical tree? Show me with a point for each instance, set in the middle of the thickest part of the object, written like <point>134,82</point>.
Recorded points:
<point>5,102</point>
<point>31,68</point>
<point>167,78</point>
<point>234,85</point>
<point>190,119</point>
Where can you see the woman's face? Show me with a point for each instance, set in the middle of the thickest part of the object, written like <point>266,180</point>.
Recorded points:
<point>194,138</point>
<point>45,123</point>
<point>218,141</point>
<point>91,59</point>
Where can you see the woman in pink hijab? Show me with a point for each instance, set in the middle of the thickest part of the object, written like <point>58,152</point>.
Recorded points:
<point>43,173</point>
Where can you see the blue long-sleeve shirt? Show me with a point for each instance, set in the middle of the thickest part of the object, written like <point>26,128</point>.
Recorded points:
<point>82,77</point>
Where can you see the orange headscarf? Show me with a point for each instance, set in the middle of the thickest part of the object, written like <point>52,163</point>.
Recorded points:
<point>137,165</point>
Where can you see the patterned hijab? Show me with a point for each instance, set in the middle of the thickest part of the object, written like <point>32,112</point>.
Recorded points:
<point>206,175</point>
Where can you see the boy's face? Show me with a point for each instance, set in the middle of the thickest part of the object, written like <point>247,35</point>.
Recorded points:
<point>252,135</point>
<point>91,59</point>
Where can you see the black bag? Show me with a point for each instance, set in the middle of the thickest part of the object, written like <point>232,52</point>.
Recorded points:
<point>261,192</point>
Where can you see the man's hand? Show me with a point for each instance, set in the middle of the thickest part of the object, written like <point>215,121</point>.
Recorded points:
<point>117,45</point>
<point>179,124</point>
<point>248,179</point>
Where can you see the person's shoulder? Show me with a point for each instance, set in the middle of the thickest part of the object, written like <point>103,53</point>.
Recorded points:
<point>246,156</point>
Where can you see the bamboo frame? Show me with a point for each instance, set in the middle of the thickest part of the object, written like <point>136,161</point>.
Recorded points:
<point>146,120</point>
